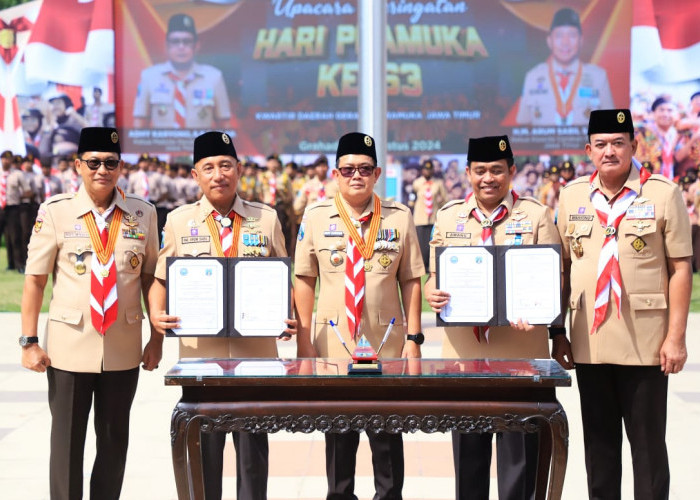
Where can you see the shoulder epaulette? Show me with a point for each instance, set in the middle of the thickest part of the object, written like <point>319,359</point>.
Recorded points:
<point>135,197</point>
<point>60,197</point>
<point>257,204</point>
<point>452,203</point>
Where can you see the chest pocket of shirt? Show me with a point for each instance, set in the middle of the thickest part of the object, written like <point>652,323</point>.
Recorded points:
<point>162,96</point>
<point>639,237</point>
<point>199,249</point>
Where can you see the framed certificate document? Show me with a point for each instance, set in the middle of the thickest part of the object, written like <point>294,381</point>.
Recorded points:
<point>234,297</point>
<point>468,275</point>
<point>498,284</point>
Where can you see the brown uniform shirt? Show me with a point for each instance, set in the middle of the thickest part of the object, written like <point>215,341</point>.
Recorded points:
<point>17,184</point>
<point>457,226</point>
<point>59,239</point>
<point>322,233</point>
<point>312,192</point>
<point>420,186</point>
<point>186,234</point>
<point>644,245</point>
<point>283,192</point>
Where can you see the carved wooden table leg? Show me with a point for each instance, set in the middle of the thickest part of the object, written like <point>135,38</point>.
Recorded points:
<point>560,448</point>
<point>178,442</point>
<point>194,453</point>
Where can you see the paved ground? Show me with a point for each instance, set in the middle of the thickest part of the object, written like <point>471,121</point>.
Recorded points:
<point>296,469</point>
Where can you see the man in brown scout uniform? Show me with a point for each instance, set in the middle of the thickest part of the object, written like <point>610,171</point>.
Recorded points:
<point>492,215</point>
<point>277,194</point>
<point>318,188</point>
<point>101,247</point>
<point>217,226</point>
<point>17,187</point>
<point>430,197</point>
<point>627,250</point>
<point>361,248</point>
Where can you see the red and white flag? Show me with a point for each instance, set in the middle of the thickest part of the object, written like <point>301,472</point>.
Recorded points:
<point>666,40</point>
<point>15,28</point>
<point>76,50</point>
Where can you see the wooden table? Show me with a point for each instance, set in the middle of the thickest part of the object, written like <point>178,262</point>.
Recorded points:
<point>428,395</point>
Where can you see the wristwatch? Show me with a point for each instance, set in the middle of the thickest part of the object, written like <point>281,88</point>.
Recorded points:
<point>418,338</point>
<point>25,341</point>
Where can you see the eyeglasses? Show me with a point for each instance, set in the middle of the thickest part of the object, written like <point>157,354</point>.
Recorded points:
<point>185,42</point>
<point>94,163</point>
<point>364,170</point>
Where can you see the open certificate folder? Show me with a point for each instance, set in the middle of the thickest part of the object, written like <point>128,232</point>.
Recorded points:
<point>229,297</point>
<point>492,286</point>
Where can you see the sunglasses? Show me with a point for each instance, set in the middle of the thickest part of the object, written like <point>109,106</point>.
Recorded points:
<point>94,163</point>
<point>185,42</point>
<point>364,170</point>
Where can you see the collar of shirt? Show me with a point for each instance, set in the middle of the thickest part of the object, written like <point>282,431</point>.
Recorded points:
<point>196,70</point>
<point>633,182</point>
<point>84,204</point>
<point>365,212</point>
<point>471,203</point>
<point>205,208</point>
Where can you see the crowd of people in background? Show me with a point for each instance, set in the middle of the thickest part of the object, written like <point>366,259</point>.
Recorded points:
<point>667,132</point>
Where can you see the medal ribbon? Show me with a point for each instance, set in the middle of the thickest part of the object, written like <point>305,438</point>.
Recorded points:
<point>487,240</point>
<point>564,108</point>
<point>365,246</point>
<point>609,277</point>
<point>226,244</point>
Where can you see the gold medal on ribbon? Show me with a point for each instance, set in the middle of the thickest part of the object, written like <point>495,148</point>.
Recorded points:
<point>80,267</point>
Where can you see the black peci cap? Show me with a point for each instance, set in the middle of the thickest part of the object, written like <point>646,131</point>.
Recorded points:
<point>356,143</point>
<point>213,144</point>
<point>492,148</point>
<point>7,154</point>
<point>427,164</point>
<point>101,139</point>
<point>565,17</point>
<point>181,22</point>
<point>610,121</point>
<point>567,165</point>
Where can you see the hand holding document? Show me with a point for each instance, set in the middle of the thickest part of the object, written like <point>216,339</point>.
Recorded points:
<point>500,285</point>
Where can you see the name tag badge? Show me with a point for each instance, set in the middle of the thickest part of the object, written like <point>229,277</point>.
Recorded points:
<point>194,239</point>
<point>333,234</point>
<point>640,212</point>
<point>75,234</point>
<point>579,218</point>
<point>464,236</point>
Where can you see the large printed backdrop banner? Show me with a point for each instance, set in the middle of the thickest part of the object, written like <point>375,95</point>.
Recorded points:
<point>282,75</point>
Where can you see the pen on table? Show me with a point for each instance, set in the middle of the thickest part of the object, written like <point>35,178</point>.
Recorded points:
<point>340,337</point>
<point>386,334</point>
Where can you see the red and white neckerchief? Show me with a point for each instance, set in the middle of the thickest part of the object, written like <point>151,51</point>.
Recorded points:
<point>486,239</point>
<point>273,188</point>
<point>668,144</point>
<point>179,99</point>
<point>103,279</point>
<point>609,277</point>
<point>321,192</point>
<point>227,243</point>
<point>429,198</point>
<point>3,189</point>
<point>145,185</point>
<point>74,184</point>
<point>47,188</point>
<point>360,248</point>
